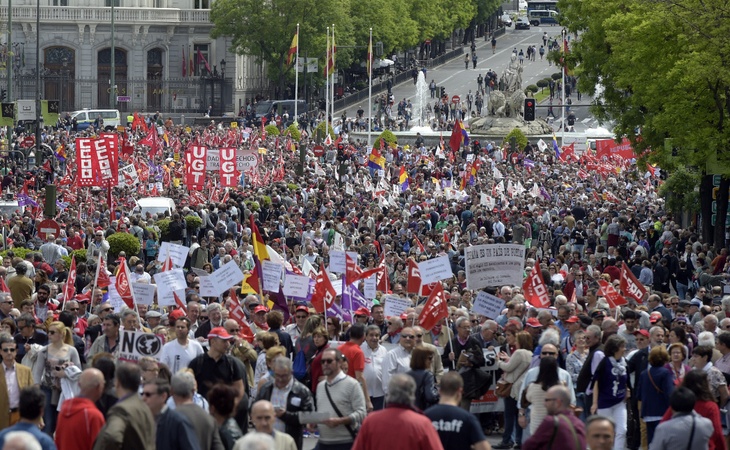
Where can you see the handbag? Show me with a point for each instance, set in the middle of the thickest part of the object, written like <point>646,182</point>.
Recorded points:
<point>503,389</point>
<point>352,432</point>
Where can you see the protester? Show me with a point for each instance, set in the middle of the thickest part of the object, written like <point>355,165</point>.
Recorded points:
<point>673,433</point>
<point>32,403</point>
<point>79,421</point>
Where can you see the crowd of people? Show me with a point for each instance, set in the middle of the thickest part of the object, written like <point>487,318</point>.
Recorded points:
<point>583,372</point>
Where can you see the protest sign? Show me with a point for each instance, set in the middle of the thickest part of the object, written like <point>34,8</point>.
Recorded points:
<point>144,293</point>
<point>114,298</point>
<point>338,261</point>
<point>488,305</point>
<point>271,273</point>
<point>494,265</point>
<point>137,344</point>
<point>227,276</point>
<point>207,287</point>
<point>296,286</point>
<point>436,269</point>
<point>370,287</point>
<point>395,306</point>
<point>167,283</point>
<point>178,253</point>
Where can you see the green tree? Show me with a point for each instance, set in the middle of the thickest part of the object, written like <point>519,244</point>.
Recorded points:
<point>663,66</point>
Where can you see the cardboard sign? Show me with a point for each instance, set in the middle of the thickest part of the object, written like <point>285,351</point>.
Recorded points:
<point>338,263</point>
<point>488,305</point>
<point>127,176</point>
<point>494,265</point>
<point>114,298</point>
<point>178,253</point>
<point>167,283</point>
<point>370,287</point>
<point>271,273</point>
<point>207,287</point>
<point>246,159</point>
<point>136,344</point>
<point>296,286</point>
<point>144,293</point>
<point>227,276</point>
<point>395,306</point>
<point>433,270</point>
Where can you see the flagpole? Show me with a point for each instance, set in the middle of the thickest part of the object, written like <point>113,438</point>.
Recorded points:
<point>562,124</point>
<point>451,341</point>
<point>327,87</point>
<point>370,87</point>
<point>296,82</point>
<point>332,75</point>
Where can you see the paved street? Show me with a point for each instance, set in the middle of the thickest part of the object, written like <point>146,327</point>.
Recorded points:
<point>458,81</point>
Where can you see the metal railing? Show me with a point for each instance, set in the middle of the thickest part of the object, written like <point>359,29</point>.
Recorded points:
<point>78,14</point>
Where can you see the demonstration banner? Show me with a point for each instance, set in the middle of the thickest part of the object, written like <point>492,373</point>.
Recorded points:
<point>227,276</point>
<point>112,144</point>
<point>101,161</point>
<point>534,289</point>
<point>127,176</point>
<point>246,159</point>
<point>630,286</point>
<point>84,162</point>
<point>195,167</point>
<point>606,148</point>
<point>489,402</point>
<point>494,265</point>
<point>137,344</point>
<point>228,173</point>
<point>144,293</point>
<point>395,306</point>
<point>436,269</point>
<point>169,282</point>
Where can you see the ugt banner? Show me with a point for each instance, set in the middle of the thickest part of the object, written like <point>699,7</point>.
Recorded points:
<point>228,171</point>
<point>195,167</point>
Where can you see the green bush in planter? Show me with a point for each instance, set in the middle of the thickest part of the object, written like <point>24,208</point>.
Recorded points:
<point>123,242</point>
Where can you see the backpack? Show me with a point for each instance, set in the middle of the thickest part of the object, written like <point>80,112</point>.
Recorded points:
<point>299,367</point>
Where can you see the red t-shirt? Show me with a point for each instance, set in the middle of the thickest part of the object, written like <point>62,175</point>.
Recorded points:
<point>355,357</point>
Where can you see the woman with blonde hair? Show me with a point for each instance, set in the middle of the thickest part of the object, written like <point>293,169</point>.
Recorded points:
<point>514,368</point>
<point>49,367</point>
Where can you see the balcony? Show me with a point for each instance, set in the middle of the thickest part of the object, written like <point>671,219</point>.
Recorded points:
<point>90,15</point>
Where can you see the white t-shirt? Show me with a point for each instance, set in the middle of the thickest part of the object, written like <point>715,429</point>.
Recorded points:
<point>177,357</point>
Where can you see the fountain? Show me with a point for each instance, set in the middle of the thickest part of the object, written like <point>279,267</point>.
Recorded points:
<point>419,112</point>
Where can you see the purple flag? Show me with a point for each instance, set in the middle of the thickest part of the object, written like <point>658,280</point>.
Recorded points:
<point>280,303</point>
<point>25,200</point>
<point>337,311</point>
<point>352,298</point>
<point>545,194</point>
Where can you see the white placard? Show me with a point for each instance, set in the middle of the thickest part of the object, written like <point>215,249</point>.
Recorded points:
<point>114,298</point>
<point>246,159</point>
<point>494,265</point>
<point>370,287</point>
<point>338,262</point>
<point>488,305</point>
<point>271,273</point>
<point>199,272</point>
<point>227,276</point>
<point>178,253</point>
<point>395,306</point>
<point>167,283</point>
<point>136,344</point>
<point>436,269</point>
<point>128,176</point>
<point>337,285</point>
<point>296,286</point>
<point>207,287</point>
<point>144,293</point>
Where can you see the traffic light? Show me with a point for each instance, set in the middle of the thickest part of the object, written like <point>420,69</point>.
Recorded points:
<point>529,109</point>
<point>443,91</point>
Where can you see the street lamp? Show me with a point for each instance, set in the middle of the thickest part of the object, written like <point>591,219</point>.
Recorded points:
<point>63,81</point>
<point>223,68</point>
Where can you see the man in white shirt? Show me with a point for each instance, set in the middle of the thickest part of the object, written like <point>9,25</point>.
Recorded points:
<point>139,275</point>
<point>398,360</point>
<point>295,329</point>
<point>373,373</point>
<point>177,354</point>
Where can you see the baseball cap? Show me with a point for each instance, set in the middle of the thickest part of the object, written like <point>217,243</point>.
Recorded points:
<point>598,313</point>
<point>220,333</point>
<point>642,332</point>
<point>696,302</point>
<point>655,317</point>
<point>176,314</point>
<point>303,309</point>
<point>572,319</point>
<point>533,322</point>
<point>260,308</point>
<point>680,319</point>
<point>362,311</point>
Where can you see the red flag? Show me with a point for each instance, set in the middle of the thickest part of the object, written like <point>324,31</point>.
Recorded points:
<point>205,61</point>
<point>3,286</point>
<point>534,290</point>
<point>236,313</point>
<point>324,293</point>
<point>415,283</point>
<point>185,64</point>
<point>382,278</point>
<point>122,283</point>
<point>102,279</point>
<point>69,289</point>
<point>421,248</point>
<point>630,286</point>
<point>613,298</point>
<point>456,137</point>
<point>354,273</point>
<point>434,310</point>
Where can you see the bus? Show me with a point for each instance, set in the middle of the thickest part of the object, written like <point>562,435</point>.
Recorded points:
<point>542,17</point>
<point>541,5</point>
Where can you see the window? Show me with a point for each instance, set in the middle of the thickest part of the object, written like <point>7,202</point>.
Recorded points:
<point>202,4</point>
<point>201,53</point>
<point>60,2</point>
<point>108,3</point>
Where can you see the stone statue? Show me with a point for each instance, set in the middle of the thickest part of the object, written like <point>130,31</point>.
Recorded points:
<point>512,75</point>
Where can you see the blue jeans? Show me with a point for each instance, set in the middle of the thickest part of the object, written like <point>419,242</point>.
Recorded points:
<point>510,422</point>
<point>682,291</point>
<point>378,403</point>
<point>650,428</point>
<point>49,413</point>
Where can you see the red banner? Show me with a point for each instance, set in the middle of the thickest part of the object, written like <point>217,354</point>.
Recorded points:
<point>69,289</point>
<point>534,288</point>
<point>228,171</point>
<point>608,148</point>
<point>195,167</point>
<point>324,293</point>
<point>84,161</point>
<point>630,286</point>
<point>112,143</point>
<point>102,162</point>
<point>415,284</point>
<point>435,309</point>
<point>124,289</point>
<point>236,313</point>
<point>613,298</point>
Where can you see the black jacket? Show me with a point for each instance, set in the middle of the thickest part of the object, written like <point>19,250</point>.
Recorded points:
<point>299,399</point>
<point>175,432</point>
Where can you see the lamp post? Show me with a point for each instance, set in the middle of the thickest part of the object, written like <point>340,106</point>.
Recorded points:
<point>223,84</point>
<point>562,88</point>
<point>64,72</point>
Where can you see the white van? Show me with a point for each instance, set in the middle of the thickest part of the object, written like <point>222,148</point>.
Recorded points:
<point>156,205</point>
<point>86,117</point>
<point>8,207</point>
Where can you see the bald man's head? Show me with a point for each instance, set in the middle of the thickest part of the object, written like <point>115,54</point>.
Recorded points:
<point>263,416</point>
<point>91,384</point>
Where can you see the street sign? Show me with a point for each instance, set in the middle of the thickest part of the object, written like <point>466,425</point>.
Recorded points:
<point>455,99</point>
<point>28,142</point>
<point>123,98</point>
<point>49,226</point>
<point>318,151</point>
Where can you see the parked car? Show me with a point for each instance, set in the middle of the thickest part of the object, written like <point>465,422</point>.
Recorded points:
<point>522,23</point>
<point>506,20</point>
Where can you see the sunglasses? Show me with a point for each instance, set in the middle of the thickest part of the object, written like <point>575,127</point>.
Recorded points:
<point>407,336</point>
<point>548,353</point>
<point>301,317</point>
<point>73,309</point>
<point>235,330</point>
<point>9,350</point>
<point>107,309</point>
<point>148,394</point>
<point>419,335</point>
<point>327,361</point>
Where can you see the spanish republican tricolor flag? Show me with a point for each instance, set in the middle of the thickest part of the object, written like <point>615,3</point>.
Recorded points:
<point>403,179</point>
<point>293,48</point>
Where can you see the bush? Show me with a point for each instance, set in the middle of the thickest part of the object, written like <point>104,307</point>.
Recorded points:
<point>390,138</point>
<point>292,186</point>
<point>164,226</point>
<point>319,133</point>
<point>266,200</point>
<point>531,89</point>
<point>294,132</point>
<point>193,222</point>
<point>519,135</point>
<point>542,84</point>
<point>20,252</point>
<point>80,257</point>
<point>556,76</point>
<point>123,242</point>
<point>271,130</point>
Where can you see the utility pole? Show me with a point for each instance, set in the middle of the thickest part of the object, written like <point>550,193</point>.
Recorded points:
<point>112,80</point>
